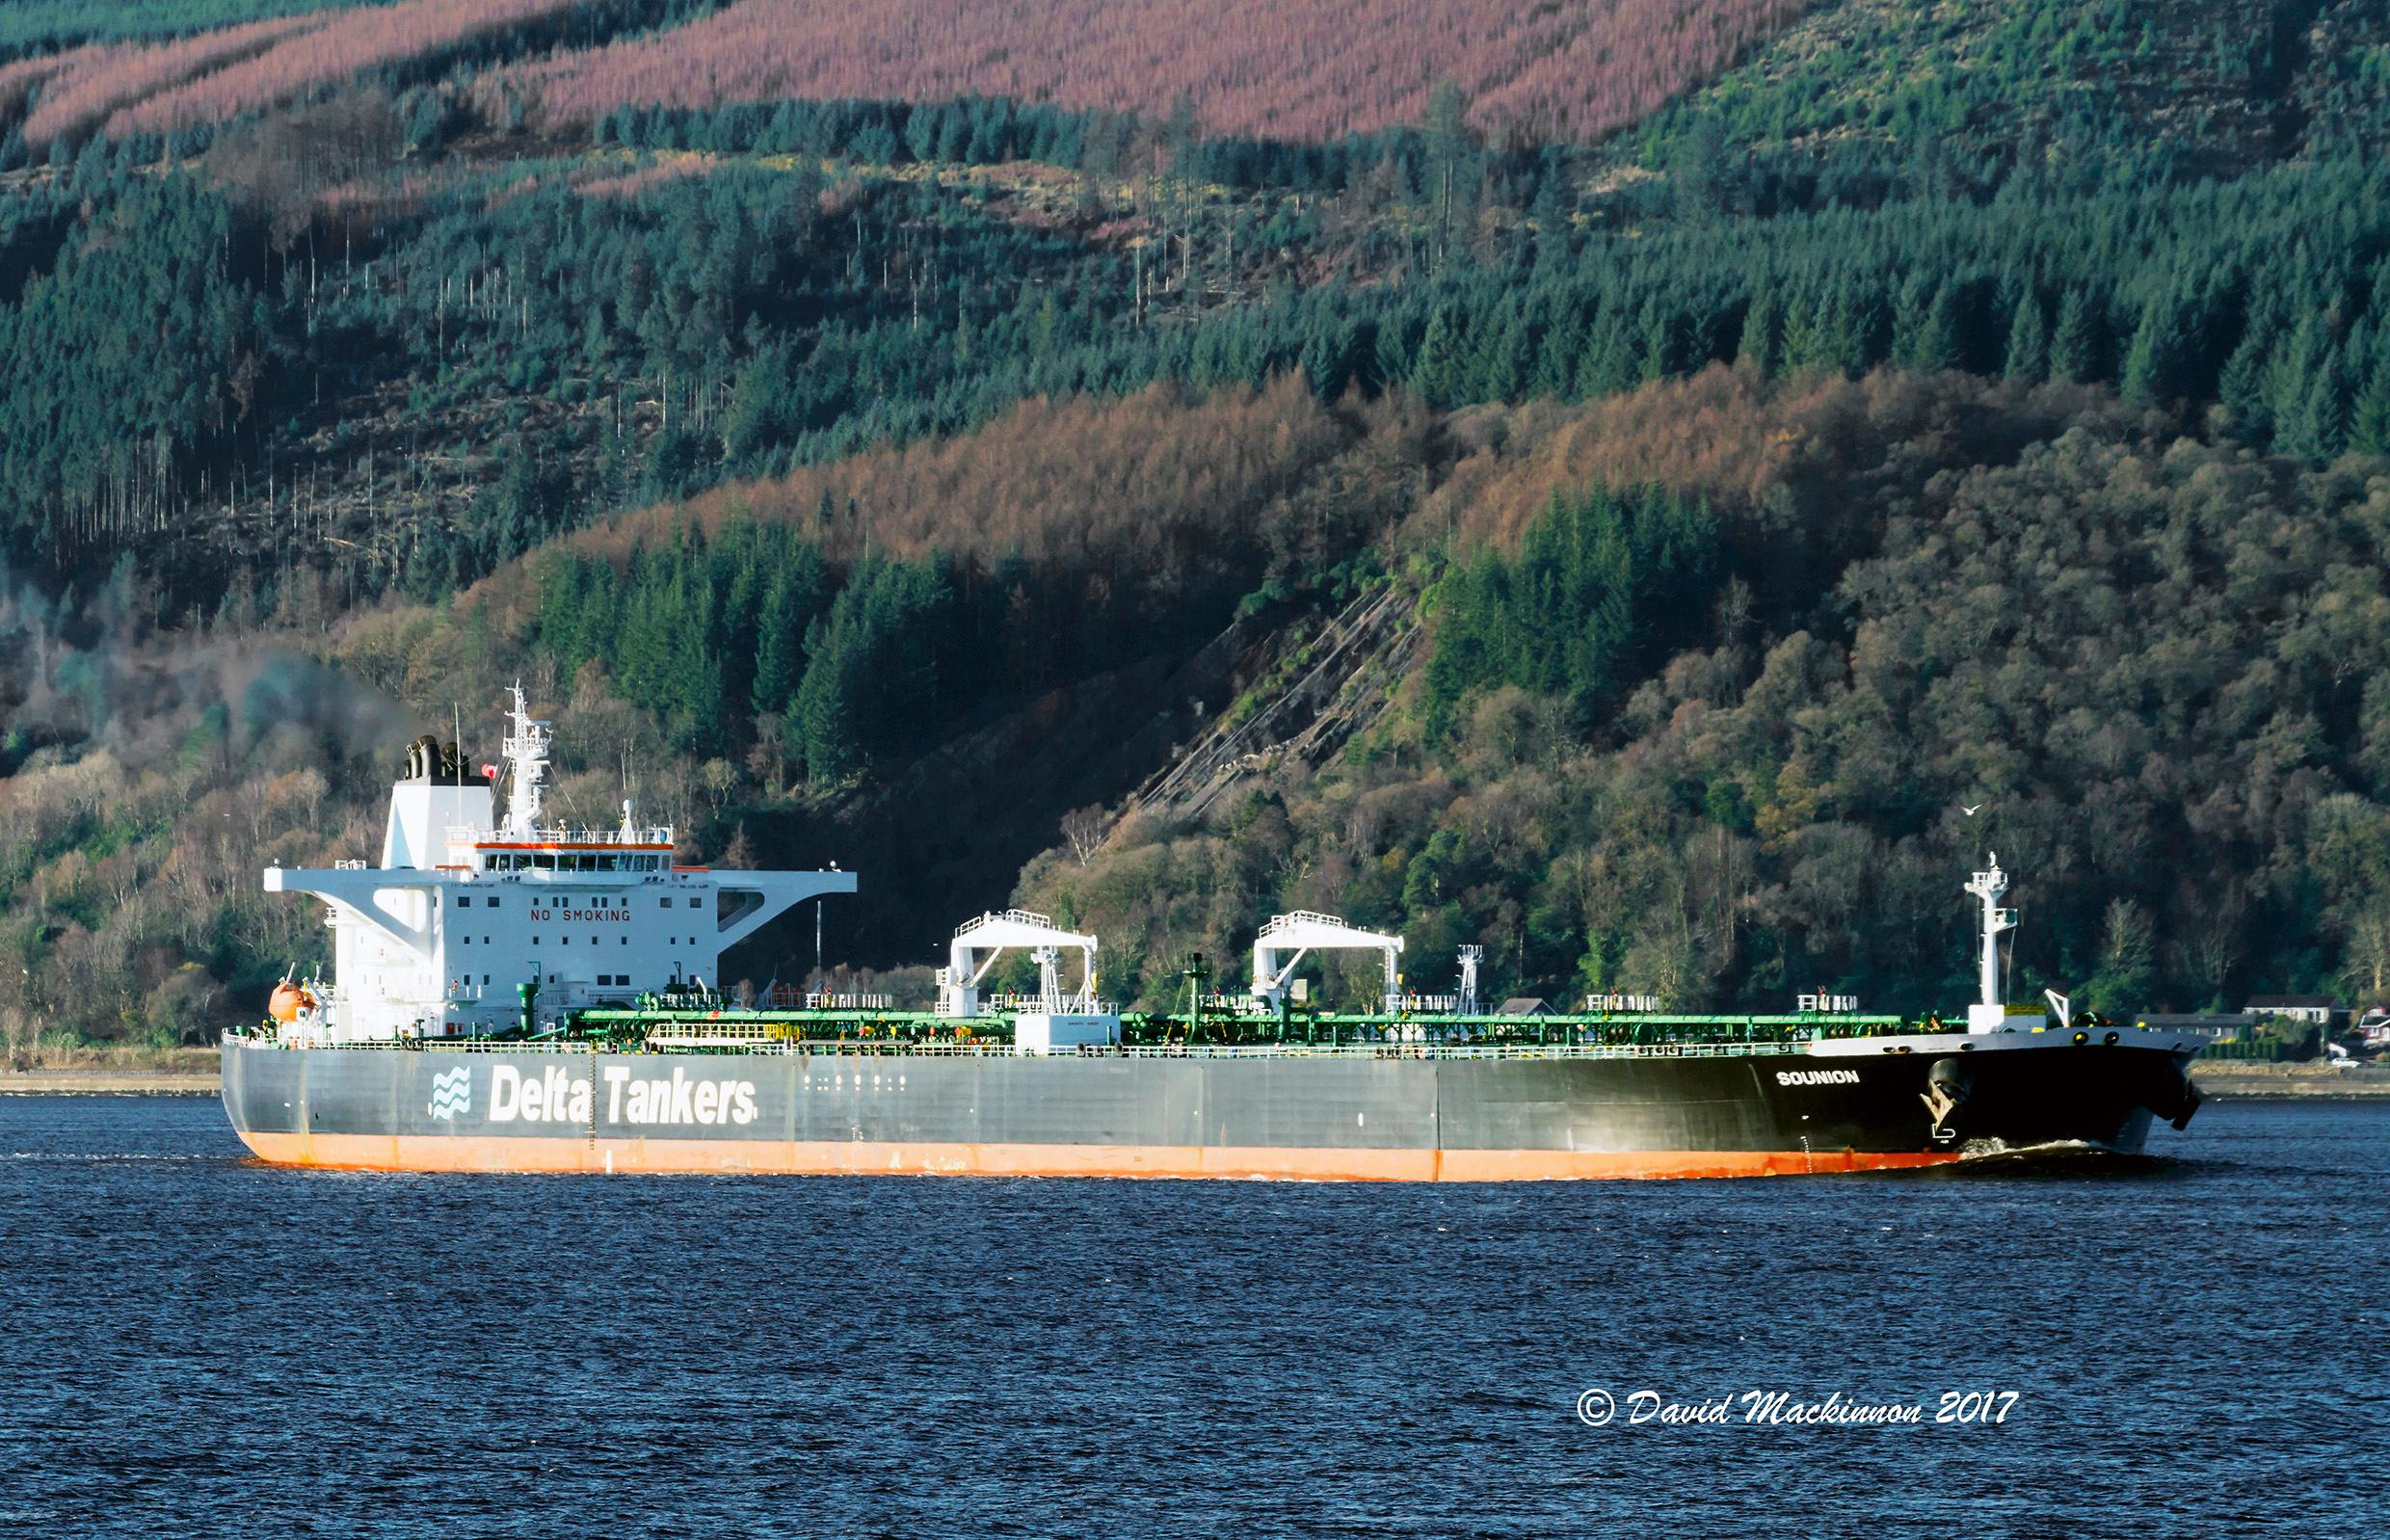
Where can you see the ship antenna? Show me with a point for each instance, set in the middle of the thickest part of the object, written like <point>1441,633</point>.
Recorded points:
<point>2008,976</point>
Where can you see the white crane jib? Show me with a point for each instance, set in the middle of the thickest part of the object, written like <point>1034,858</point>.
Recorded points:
<point>1987,887</point>
<point>978,943</point>
<point>1290,936</point>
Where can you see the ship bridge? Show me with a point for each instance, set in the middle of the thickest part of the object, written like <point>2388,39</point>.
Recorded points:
<point>469,923</point>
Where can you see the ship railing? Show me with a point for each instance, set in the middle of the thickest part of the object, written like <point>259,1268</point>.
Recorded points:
<point>1048,1004</point>
<point>560,834</point>
<point>902,1048</point>
<point>1452,1050</point>
<point>1298,916</point>
<point>1432,1050</point>
<point>790,997</point>
<point>1018,917</point>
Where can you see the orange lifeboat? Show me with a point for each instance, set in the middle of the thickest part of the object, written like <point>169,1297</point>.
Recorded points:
<point>287,1002</point>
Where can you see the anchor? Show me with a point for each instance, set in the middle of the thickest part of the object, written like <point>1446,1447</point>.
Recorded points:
<point>1947,1085</point>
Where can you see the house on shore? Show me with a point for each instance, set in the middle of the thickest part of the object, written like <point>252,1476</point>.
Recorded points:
<point>2320,1009</point>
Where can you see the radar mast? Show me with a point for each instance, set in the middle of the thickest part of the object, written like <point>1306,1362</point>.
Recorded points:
<point>525,751</point>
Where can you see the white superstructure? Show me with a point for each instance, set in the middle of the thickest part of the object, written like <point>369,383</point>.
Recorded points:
<point>466,915</point>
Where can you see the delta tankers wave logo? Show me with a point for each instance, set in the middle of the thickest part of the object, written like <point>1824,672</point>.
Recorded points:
<point>452,1092</point>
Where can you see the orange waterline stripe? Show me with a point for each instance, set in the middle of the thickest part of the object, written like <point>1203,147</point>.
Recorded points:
<point>497,1152</point>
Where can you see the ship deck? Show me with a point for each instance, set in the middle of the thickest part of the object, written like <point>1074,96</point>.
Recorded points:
<point>899,1034</point>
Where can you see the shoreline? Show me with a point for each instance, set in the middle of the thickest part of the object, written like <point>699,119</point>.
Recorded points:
<point>110,1082</point>
<point>2229,1080</point>
<point>2221,1082</point>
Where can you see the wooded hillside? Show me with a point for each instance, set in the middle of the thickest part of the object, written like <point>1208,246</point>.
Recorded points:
<point>1612,507</point>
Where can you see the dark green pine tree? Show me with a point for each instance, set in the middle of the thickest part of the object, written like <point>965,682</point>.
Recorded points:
<point>1806,328</point>
<point>2142,358</point>
<point>1761,343</point>
<point>2075,347</point>
<point>1396,345</point>
<point>1855,324</point>
<point>1660,351</point>
<point>1499,371</point>
<point>778,641</point>
<point>2318,430</point>
<point>821,725</point>
<point>1611,362</point>
<point>2369,415</point>
<point>1558,348</point>
<point>2029,341</point>
<point>2158,360</point>
<point>1928,331</point>
<point>1438,372</point>
<point>2240,391</point>
<point>2289,386</point>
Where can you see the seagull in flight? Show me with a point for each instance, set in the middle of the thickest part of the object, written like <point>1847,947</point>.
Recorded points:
<point>1972,812</point>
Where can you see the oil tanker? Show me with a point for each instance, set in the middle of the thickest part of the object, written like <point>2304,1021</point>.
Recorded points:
<point>509,995</point>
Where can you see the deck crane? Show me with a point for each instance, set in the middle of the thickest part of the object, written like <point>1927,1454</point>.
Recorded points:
<point>979,942</point>
<point>1292,935</point>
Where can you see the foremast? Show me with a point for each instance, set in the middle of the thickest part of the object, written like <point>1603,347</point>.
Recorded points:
<point>1989,1011</point>
<point>525,751</point>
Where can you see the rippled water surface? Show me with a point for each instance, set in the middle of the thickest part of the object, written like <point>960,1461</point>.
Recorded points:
<point>192,1344</point>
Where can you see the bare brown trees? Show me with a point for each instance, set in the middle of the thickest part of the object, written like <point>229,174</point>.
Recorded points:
<point>1306,69</point>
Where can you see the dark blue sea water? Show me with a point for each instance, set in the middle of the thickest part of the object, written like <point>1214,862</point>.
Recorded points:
<point>192,1344</point>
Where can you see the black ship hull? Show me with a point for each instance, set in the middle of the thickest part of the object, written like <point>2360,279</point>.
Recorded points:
<point>1387,1114</point>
